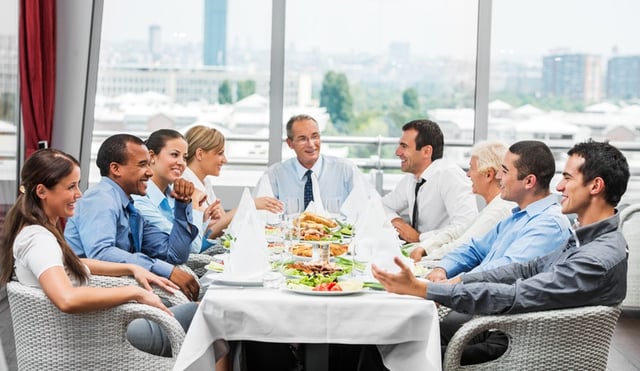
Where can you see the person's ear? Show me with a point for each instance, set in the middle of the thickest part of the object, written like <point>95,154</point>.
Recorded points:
<point>199,153</point>
<point>152,157</point>
<point>290,143</point>
<point>490,174</point>
<point>427,151</point>
<point>530,181</point>
<point>597,185</point>
<point>114,168</point>
<point>41,191</point>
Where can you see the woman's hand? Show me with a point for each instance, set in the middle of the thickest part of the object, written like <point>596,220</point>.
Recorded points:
<point>213,212</point>
<point>270,204</point>
<point>149,298</point>
<point>146,278</point>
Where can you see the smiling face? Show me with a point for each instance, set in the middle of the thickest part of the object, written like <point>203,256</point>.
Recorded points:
<point>412,160</point>
<point>478,178</point>
<point>134,174</point>
<point>305,141</point>
<point>169,164</point>
<point>60,200</point>
<point>575,194</point>
<point>511,188</point>
<point>213,160</point>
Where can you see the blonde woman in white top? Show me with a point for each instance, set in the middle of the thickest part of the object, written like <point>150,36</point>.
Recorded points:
<point>485,163</point>
<point>205,158</point>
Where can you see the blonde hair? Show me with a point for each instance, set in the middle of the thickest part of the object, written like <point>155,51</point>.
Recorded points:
<point>489,154</point>
<point>204,137</point>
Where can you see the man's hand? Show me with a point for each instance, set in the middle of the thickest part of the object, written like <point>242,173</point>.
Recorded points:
<point>182,190</point>
<point>188,285</point>
<point>437,275</point>
<point>403,282</point>
<point>405,231</point>
<point>418,253</point>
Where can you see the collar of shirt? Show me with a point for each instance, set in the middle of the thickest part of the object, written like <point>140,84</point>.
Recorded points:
<point>189,175</point>
<point>316,168</point>
<point>431,170</point>
<point>124,198</point>
<point>590,232</point>
<point>537,207</point>
<point>156,196</point>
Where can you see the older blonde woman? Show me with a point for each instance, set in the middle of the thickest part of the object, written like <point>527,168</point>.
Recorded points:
<point>485,163</point>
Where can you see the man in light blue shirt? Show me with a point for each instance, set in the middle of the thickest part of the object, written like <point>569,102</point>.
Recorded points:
<point>332,178</point>
<point>107,227</point>
<point>536,228</point>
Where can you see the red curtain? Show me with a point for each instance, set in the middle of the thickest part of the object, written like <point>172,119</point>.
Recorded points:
<point>37,70</point>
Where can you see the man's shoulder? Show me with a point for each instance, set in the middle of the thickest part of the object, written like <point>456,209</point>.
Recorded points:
<point>102,193</point>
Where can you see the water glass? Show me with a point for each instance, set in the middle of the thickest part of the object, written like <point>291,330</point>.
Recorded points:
<point>292,206</point>
<point>332,206</point>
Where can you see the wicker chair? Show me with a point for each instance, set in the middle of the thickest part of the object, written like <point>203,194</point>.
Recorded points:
<point>630,227</point>
<point>197,263</point>
<point>48,339</point>
<point>576,338</point>
<point>107,281</point>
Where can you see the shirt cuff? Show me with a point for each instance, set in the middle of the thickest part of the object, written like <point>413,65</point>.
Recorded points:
<point>162,268</point>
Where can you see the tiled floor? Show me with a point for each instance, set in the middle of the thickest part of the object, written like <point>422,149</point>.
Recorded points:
<point>624,354</point>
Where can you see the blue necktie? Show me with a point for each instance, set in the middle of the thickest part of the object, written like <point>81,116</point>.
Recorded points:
<point>134,225</point>
<point>308,189</point>
<point>414,220</point>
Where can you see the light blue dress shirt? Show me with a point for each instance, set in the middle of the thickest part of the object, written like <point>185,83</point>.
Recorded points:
<point>159,208</point>
<point>335,178</point>
<point>100,230</point>
<point>535,231</point>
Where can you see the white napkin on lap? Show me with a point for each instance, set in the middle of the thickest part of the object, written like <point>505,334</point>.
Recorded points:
<point>249,257</point>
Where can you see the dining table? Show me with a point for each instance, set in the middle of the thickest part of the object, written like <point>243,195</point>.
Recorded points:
<point>405,329</point>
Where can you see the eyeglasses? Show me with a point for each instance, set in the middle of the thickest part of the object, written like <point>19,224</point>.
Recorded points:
<point>301,140</point>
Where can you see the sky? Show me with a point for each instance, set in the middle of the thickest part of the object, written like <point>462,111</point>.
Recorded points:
<point>443,28</point>
<point>431,27</point>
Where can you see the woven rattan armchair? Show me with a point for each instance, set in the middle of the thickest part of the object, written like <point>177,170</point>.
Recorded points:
<point>576,339</point>
<point>197,263</point>
<point>48,339</point>
<point>630,227</point>
<point>107,281</point>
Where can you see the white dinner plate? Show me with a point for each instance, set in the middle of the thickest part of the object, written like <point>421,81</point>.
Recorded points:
<point>222,279</point>
<point>322,293</point>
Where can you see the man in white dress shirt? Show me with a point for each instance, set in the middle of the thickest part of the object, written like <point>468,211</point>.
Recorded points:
<point>435,194</point>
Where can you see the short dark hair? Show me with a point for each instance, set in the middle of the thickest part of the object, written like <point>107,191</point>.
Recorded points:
<point>429,134</point>
<point>535,158</point>
<point>603,160</point>
<point>158,139</point>
<point>114,149</point>
<point>295,118</point>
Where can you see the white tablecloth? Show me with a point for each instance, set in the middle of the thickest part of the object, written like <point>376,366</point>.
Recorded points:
<point>405,328</point>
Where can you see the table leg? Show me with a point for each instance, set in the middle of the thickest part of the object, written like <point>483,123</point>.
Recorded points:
<point>317,357</point>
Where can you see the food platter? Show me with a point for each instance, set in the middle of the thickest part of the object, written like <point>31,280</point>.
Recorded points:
<point>305,250</point>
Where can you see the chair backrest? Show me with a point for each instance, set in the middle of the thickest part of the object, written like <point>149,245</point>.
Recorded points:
<point>576,338</point>
<point>48,339</point>
<point>630,227</point>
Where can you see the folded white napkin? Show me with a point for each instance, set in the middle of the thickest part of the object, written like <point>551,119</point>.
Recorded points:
<point>354,204</point>
<point>317,208</point>
<point>372,230</point>
<point>249,258</point>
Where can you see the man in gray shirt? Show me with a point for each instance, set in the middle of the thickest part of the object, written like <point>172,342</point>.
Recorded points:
<point>591,269</point>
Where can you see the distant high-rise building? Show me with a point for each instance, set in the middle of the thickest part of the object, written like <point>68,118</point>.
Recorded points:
<point>215,32</point>
<point>623,77</point>
<point>574,76</point>
<point>155,41</point>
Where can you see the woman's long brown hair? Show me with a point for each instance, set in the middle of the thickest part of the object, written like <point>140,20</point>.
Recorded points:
<point>47,167</point>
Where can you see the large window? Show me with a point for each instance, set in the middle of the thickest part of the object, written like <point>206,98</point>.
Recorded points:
<point>208,65</point>
<point>8,103</point>
<point>565,71</point>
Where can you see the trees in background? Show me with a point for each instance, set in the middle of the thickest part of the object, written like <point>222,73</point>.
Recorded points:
<point>245,88</point>
<point>224,93</point>
<point>336,98</point>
